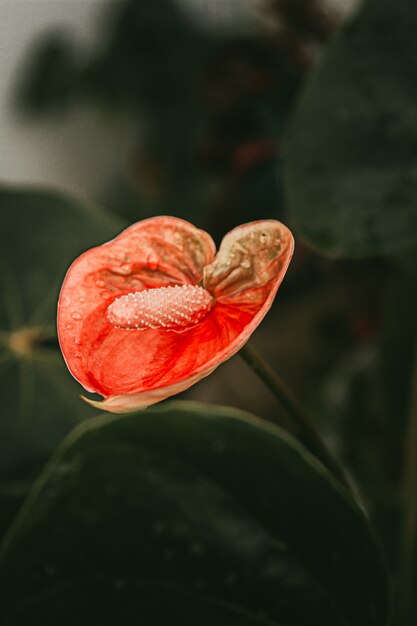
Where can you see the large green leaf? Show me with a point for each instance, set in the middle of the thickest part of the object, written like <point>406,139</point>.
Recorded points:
<point>189,514</point>
<point>40,235</point>
<point>351,163</point>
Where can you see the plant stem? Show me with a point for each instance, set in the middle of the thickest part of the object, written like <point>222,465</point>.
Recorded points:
<point>409,546</point>
<point>294,409</point>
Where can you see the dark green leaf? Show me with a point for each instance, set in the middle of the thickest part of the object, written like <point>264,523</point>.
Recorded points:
<point>190,514</point>
<point>40,235</point>
<point>351,171</point>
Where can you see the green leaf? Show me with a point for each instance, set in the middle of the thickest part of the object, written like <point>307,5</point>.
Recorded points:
<point>190,514</point>
<point>41,233</point>
<point>351,174</point>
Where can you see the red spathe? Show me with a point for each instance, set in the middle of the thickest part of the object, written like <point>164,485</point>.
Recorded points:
<point>135,367</point>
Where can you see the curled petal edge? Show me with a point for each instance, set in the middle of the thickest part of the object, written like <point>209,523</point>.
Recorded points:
<point>133,402</point>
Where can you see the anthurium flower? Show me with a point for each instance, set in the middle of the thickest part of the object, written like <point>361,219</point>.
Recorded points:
<point>153,311</point>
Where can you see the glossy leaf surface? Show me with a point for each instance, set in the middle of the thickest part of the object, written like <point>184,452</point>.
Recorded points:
<point>189,514</point>
<point>351,175</point>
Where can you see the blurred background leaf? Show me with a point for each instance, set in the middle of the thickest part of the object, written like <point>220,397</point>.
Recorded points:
<point>41,233</point>
<point>191,513</point>
<point>351,152</point>
<point>211,104</point>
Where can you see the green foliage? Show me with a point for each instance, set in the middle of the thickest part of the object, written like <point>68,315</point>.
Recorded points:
<point>351,156</point>
<point>187,514</point>
<point>40,235</point>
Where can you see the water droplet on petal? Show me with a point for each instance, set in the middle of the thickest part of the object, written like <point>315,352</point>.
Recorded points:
<point>82,299</point>
<point>68,326</point>
<point>100,282</point>
<point>124,270</point>
<point>65,301</point>
<point>105,295</point>
<point>245,264</point>
<point>76,316</point>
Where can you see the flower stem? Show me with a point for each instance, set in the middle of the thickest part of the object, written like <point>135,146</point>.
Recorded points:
<point>295,410</point>
<point>409,546</point>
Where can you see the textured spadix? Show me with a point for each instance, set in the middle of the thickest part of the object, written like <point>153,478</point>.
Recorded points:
<point>122,302</point>
<point>173,308</point>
